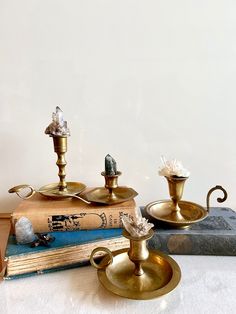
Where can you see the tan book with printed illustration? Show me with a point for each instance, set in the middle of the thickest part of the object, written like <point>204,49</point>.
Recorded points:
<point>71,214</point>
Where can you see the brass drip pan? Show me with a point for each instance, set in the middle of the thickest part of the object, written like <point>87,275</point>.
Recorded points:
<point>161,275</point>
<point>189,213</point>
<point>52,190</point>
<point>104,196</point>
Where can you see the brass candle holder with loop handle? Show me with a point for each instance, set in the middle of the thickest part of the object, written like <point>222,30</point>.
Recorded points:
<point>178,213</point>
<point>137,272</point>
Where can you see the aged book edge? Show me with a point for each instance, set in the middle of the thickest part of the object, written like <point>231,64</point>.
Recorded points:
<point>77,254</point>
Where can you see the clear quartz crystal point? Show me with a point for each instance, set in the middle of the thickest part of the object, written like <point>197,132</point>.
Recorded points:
<point>172,168</point>
<point>136,227</point>
<point>58,127</point>
<point>24,231</point>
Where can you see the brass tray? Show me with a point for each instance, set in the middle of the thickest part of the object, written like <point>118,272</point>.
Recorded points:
<point>161,275</point>
<point>52,190</point>
<point>189,213</point>
<point>104,196</point>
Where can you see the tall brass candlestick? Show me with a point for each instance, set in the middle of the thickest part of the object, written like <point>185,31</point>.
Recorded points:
<point>60,147</point>
<point>58,130</point>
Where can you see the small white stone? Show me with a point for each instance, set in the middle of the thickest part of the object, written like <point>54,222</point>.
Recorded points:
<point>24,231</point>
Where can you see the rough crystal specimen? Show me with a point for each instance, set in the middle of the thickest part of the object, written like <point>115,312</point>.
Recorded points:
<point>110,166</point>
<point>24,231</point>
<point>136,227</point>
<point>58,127</point>
<point>173,167</point>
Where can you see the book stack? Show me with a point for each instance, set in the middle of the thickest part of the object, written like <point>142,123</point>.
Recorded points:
<point>78,228</point>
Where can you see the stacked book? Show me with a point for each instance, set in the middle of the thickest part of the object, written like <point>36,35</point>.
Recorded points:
<point>77,227</point>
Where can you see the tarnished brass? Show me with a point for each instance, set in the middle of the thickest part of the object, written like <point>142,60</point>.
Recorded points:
<point>108,261</point>
<point>25,191</point>
<point>60,147</point>
<point>177,213</point>
<point>136,272</point>
<point>176,188</point>
<point>112,193</point>
<point>119,195</point>
<point>219,199</point>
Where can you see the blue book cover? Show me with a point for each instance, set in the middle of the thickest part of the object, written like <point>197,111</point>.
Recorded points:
<point>67,251</point>
<point>215,235</point>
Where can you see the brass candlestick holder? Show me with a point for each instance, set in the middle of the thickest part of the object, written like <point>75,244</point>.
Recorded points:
<point>111,183</point>
<point>136,272</point>
<point>178,213</point>
<point>60,147</point>
<point>63,188</point>
<point>58,130</point>
<point>176,188</point>
<point>111,193</point>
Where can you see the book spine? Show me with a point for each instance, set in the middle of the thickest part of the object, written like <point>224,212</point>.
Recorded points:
<point>198,244</point>
<point>66,220</point>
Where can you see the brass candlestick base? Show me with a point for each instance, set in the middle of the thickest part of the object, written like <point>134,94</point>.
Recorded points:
<point>112,193</point>
<point>137,273</point>
<point>181,214</point>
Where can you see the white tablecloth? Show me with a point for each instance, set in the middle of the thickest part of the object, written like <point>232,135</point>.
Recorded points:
<point>208,285</point>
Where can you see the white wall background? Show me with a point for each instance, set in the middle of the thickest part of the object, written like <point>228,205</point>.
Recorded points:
<point>136,79</point>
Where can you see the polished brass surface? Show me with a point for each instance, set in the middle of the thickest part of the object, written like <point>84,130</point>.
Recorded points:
<point>187,213</point>
<point>111,183</point>
<point>53,190</point>
<point>219,199</point>
<point>25,191</point>
<point>176,188</point>
<point>119,195</point>
<point>138,273</point>
<point>190,213</point>
<point>138,251</point>
<point>60,147</point>
<point>108,260</point>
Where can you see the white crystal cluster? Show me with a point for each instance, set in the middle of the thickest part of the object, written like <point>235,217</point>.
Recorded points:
<point>24,231</point>
<point>136,227</point>
<point>58,127</point>
<point>173,167</point>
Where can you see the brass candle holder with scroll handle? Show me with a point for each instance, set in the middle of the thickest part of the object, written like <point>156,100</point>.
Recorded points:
<point>137,272</point>
<point>178,213</point>
<point>111,193</point>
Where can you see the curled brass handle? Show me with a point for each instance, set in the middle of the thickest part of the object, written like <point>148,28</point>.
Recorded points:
<point>20,190</point>
<point>219,199</point>
<point>101,249</point>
